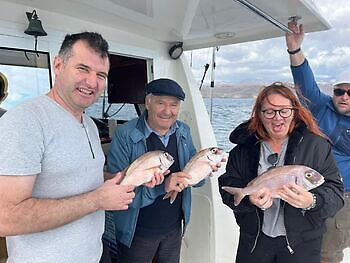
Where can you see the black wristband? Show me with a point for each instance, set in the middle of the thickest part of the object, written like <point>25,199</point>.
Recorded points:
<point>292,52</point>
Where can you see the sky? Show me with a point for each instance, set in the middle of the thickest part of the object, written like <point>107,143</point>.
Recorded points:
<point>266,61</point>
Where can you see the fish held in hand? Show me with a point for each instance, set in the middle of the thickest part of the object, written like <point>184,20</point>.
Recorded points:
<point>142,170</point>
<point>199,167</point>
<point>276,178</point>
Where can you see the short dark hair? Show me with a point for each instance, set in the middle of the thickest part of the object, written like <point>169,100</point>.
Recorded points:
<point>93,39</point>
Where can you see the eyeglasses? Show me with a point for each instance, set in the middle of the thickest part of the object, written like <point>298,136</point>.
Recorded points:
<point>284,113</point>
<point>340,92</point>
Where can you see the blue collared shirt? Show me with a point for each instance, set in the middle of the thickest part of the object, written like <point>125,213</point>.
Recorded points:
<point>164,138</point>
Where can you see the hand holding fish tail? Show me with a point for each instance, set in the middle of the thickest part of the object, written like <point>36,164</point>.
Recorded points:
<point>262,198</point>
<point>295,195</point>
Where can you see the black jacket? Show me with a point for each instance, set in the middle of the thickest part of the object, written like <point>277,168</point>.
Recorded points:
<point>304,148</point>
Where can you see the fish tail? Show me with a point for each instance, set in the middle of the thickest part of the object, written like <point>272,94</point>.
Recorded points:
<point>172,195</point>
<point>236,192</point>
<point>167,195</point>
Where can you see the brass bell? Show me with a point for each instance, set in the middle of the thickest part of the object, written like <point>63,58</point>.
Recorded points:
<point>35,27</point>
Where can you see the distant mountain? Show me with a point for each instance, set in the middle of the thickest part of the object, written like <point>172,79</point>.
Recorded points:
<point>247,90</point>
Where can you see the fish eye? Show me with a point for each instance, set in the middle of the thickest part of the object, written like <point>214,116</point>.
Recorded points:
<point>308,174</point>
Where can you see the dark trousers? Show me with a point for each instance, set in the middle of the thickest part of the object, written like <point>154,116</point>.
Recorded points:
<point>163,248</point>
<point>274,250</point>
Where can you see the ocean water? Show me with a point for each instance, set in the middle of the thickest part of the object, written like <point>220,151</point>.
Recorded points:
<point>226,114</point>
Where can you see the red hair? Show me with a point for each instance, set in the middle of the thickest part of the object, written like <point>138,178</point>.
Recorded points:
<point>301,114</point>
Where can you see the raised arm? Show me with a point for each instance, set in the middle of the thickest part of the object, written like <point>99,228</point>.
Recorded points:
<point>294,41</point>
<point>302,74</point>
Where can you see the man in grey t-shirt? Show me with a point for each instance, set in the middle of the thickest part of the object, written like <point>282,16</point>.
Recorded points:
<point>52,191</point>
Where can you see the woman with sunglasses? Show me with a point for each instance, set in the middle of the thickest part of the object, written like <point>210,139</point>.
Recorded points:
<point>288,229</point>
<point>332,114</point>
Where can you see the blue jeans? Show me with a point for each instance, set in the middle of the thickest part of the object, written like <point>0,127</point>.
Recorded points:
<point>164,248</point>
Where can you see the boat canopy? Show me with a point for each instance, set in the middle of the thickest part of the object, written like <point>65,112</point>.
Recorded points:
<point>195,23</point>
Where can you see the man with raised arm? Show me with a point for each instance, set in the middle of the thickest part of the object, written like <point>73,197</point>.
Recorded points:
<point>333,116</point>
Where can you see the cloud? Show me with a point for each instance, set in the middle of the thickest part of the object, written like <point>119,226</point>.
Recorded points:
<point>267,60</point>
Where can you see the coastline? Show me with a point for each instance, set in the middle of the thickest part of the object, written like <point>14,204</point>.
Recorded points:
<point>244,90</point>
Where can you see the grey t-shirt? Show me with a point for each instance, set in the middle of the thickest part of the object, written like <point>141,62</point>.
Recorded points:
<point>273,223</point>
<point>41,138</point>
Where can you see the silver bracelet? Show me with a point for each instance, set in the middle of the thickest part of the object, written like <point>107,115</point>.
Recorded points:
<point>313,204</point>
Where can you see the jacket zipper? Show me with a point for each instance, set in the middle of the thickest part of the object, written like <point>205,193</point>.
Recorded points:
<point>291,251</point>
<point>257,235</point>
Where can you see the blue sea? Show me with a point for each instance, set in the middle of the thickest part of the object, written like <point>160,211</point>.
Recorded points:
<point>226,114</point>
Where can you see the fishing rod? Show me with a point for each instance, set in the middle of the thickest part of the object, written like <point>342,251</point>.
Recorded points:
<point>212,81</point>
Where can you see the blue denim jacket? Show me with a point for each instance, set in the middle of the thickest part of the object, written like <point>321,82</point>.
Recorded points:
<point>128,144</point>
<point>335,125</point>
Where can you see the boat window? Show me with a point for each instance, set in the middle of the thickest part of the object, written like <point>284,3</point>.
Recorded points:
<point>124,96</point>
<point>27,74</point>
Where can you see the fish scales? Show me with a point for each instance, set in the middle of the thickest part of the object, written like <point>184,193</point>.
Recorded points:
<point>199,167</point>
<point>142,170</point>
<point>274,180</point>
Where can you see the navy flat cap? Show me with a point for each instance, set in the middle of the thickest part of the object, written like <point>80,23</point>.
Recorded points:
<point>165,87</point>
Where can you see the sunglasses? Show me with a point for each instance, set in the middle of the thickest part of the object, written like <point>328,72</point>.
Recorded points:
<point>273,160</point>
<point>340,92</point>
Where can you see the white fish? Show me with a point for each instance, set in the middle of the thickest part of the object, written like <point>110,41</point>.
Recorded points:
<point>199,167</point>
<point>142,170</point>
<point>275,178</point>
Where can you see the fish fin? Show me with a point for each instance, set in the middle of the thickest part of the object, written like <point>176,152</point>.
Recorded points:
<point>167,195</point>
<point>236,192</point>
<point>172,195</point>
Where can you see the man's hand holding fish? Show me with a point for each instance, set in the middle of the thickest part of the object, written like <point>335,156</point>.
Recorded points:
<point>177,182</point>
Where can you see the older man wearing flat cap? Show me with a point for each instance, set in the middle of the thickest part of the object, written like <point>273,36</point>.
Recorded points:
<point>151,229</point>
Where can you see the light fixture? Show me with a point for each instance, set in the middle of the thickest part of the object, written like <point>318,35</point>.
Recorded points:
<point>224,35</point>
<point>34,28</point>
<point>176,50</point>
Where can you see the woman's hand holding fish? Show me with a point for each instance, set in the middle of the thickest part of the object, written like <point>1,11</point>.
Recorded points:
<point>296,196</point>
<point>262,198</point>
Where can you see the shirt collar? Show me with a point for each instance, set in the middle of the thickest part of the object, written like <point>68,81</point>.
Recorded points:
<point>148,130</point>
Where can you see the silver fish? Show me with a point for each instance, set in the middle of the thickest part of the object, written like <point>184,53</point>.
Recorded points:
<point>275,178</point>
<point>143,168</point>
<point>199,167</point>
